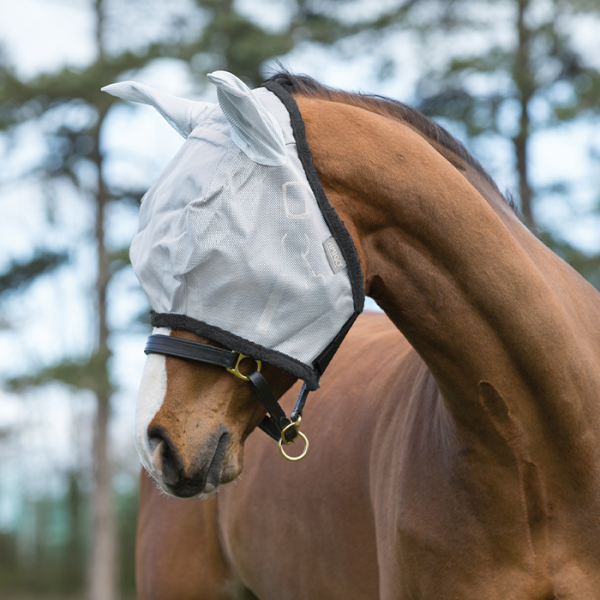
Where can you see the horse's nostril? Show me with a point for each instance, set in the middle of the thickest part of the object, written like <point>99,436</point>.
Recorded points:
<point>157,456</point>
<point>166,458</point>
<point>205,465</point>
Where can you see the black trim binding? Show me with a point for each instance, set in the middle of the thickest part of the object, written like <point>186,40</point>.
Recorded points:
<point>323,360</point>
<point>240,344</point>
<point>335,224</point>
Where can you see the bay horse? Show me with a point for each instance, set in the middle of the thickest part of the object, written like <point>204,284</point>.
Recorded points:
<point>455,442</point>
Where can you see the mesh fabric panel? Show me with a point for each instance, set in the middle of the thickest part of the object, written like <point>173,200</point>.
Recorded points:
<point>239,245</point>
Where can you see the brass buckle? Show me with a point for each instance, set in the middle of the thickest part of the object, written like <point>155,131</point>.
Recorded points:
<point>236,370</point>
<point>283,442</point>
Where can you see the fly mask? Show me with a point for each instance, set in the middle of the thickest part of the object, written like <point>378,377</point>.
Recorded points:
<point>237,241</point>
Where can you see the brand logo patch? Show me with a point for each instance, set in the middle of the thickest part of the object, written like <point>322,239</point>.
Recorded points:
<point>334,256</point>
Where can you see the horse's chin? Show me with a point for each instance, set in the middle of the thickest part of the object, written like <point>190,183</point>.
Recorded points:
<point>231,471</point>
<point>190,488</point>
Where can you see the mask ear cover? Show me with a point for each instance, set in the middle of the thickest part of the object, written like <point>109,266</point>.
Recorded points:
<point>183,115</point>
<point>253,129</point>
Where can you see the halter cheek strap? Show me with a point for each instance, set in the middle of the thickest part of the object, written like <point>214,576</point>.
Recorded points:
<point>281,428</point>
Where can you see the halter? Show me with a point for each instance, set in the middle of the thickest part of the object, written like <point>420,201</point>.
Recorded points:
<point>277,424</point>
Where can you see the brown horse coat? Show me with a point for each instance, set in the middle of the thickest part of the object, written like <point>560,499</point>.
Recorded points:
<point>461,464</point>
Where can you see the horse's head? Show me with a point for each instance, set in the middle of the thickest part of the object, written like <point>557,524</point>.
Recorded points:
<point>193,418</point>
<point>237,244</point>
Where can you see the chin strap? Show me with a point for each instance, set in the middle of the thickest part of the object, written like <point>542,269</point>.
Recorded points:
<point>281,428</point>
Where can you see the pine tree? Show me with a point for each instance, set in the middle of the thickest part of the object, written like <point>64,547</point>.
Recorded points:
<point>531,75</point>
<point>226,40</point>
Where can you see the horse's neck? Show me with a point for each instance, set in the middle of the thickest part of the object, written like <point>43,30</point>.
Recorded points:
<point>483,302</point>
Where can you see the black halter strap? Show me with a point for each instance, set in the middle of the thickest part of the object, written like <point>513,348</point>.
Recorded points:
<point>164,344</point>
<point>276,422</point>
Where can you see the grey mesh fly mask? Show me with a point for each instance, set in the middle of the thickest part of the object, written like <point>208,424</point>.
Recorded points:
<point>237,241</point>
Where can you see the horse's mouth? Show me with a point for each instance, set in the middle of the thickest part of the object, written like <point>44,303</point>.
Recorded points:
<point>175,480</point>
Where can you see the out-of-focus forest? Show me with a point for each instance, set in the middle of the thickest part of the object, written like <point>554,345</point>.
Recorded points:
<point>518,81</point>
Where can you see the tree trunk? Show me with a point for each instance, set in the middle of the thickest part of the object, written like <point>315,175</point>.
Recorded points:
<point>524,78</point>
<point>103,559</point>
<point>73,572</point>
<point>103,567</point>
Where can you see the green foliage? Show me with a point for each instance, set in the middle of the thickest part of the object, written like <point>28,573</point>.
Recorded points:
<point>127,508</point>
<point>540,80</point>
<point>240,45</point>
<point>548,69</point>
<point>20,274</point>
<point>233,42</point>
<point>118,259</point>
<point>87,374</point>
<point>50,555</point>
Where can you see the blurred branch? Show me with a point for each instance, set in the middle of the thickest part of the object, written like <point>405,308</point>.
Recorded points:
<point>90,374</point>
<point>128,196</point>
<point>21,274</point>
<point>23,100</point>
<point>143,319</point>
<point>118,259</point>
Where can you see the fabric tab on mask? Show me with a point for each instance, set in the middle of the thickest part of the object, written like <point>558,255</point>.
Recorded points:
<point>334,256</point>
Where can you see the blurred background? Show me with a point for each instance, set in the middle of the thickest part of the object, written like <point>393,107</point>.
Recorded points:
<point>517,81</point>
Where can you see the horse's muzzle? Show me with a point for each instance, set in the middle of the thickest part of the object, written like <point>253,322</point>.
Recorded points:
<point>202,476</point>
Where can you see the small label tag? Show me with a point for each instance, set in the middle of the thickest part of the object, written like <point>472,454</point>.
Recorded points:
<point>334,256</point>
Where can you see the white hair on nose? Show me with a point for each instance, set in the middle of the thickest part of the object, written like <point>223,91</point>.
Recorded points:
<point>151,395</point>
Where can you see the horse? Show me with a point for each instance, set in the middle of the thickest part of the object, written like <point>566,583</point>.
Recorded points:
<point>455,442</point>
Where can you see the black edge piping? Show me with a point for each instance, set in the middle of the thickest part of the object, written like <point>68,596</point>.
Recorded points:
<point>335,224</point>
<point>322,361</point>
<point>239,344</point>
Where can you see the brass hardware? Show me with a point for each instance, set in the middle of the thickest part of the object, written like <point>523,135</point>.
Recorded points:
<point>236,370</point>
<point>283,443</point>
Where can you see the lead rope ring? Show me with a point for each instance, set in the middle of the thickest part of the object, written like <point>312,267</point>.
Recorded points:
<point>283,443</point>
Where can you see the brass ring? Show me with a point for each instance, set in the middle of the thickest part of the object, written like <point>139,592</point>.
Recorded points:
<point>236,370</point>
<point>282,443</point>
